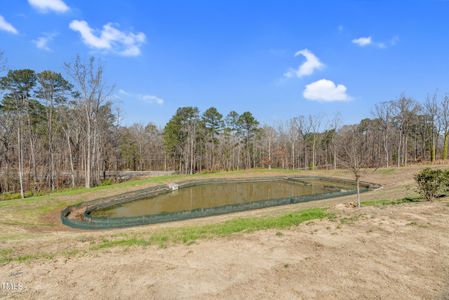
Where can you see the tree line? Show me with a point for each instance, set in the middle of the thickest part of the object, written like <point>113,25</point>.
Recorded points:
<point>61,130</point>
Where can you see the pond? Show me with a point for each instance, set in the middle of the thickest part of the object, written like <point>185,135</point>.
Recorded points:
<point>226,194</point>
<point>203,198</point>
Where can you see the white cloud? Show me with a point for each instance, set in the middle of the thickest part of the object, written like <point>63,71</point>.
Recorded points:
<point>363,41</point>
<point>110,38</point>
<point>152,99</point>
<point>340,28</point>
<point>311,64</point>
<point>142,97</point>
<point>43,41</point>
<point>325,91</point>
<point>368,41</point>
<point>49,5</point>
<point>123,92</point>
<point>5,26</point>
<point>88,37</point>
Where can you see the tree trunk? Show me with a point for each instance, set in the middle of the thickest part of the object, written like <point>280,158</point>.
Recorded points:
<point>19,146</point>
<point>387,156</point>
<point>433,148</point>
<point>72,172</point>
<point>306,160</point>
<point>405,155</point>
<point>293,155</point>
<point>445,145</point>
<point>32,152</point>
<point>335,157</point>
<point>313,153</point>
<point>399,149</point>
<point>269,153</point>
<point>88,153</point>
<point>50,147</point>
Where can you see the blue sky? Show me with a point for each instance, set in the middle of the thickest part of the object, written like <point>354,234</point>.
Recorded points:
<point>240,55</point>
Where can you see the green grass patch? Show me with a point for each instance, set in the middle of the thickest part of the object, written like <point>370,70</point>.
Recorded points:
<point>8,258</point>
<point>392,202</point>
<point>12,196</point>
<point>120,243</point>
<point>193,233</point>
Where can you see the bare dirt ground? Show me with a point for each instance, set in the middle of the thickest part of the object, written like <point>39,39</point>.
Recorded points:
<point>388,252</point>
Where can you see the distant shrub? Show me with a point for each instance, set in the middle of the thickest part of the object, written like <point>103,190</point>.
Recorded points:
<point>431,182</point>
<point>108,181</point>
<point>209,171</point>
<point>9,196</point>
<point>12,196</point>
<point>446,181</point>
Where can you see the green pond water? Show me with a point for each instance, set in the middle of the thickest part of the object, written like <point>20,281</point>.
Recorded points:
<point>223,194</point>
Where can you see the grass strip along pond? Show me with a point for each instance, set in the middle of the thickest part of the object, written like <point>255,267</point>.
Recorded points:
<point>195,199</point>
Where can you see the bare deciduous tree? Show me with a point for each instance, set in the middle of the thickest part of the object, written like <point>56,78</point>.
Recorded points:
<point>431,109</point>
<point>444,124</point>
<point>353,155</point>
<point>93,94</point>
<point>383,113</point>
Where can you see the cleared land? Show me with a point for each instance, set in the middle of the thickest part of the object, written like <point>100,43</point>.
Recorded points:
<point>312,250</point>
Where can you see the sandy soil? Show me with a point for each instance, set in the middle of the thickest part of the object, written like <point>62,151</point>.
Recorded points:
<point>390,252</point>
<point>396,252</point>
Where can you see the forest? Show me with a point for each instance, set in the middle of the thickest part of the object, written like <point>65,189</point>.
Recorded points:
<point>61,130</point>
